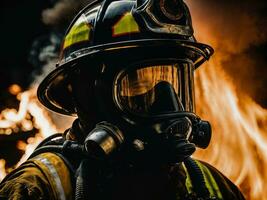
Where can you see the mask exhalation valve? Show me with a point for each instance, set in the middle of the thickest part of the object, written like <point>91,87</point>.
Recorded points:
<point>103,140</point>
<point>201,134</point>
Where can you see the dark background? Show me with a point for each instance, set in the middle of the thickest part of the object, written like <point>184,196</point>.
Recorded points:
<point>20,23</point>
<point>23,35</point>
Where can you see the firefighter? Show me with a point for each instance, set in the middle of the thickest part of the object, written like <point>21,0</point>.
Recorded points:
<point>126,70</point>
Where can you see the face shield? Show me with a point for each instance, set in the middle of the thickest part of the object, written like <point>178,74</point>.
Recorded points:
<point>155,89</point>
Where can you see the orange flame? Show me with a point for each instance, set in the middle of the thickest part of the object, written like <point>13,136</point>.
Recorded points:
<point>239,144</point>
<point>2,169</point>
<point>239,131</point>
<point>10,118</point>
<point>14,89</point>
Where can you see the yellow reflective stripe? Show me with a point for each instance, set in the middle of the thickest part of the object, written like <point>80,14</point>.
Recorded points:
<point>125,25</point>
<point>78,33</point>
<point>188,182</point>
<point>57,174</point>
<point>213,182</point>
<point>57,181</point>
<point>210,181</point>
<point>207,183</point>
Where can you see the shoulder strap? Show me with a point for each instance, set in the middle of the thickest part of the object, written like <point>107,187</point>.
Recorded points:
<point>49,156</point>
<point>200,180</point>
<point>57,173</point>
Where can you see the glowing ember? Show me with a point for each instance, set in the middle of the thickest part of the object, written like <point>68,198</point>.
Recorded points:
<point>9,117</point>
<point>14,89</point>
<point>21,145</point>
<point>2,169</point>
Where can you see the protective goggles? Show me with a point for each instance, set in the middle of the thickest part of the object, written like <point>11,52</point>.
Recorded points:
<point>154,89</point>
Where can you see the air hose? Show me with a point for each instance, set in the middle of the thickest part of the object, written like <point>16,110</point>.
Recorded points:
<point>197,178</point>
<point>82,185</point>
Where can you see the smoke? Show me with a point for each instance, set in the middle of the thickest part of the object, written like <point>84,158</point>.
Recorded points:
<point>237,31</point>
<point>62,12</point>
<point>46,48</point>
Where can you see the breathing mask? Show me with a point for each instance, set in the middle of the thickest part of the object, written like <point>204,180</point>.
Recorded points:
<point>155,103</point>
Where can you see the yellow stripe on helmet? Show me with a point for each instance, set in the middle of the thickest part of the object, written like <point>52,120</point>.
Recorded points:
<point>80,32</point>
<point>125,25</point>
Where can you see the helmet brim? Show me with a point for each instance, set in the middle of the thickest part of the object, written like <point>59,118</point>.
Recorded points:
<point>54,91</point>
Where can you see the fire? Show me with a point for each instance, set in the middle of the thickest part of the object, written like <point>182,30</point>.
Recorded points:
<point>239,125</point>
<point>239,142</point>
<point>12,120</point>
<point>14,89</point>
<point>2,169</point>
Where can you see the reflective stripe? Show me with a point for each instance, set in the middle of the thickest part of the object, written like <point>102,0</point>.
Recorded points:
<point>188,182</point>
<point>53,171</point>
<point>210,181</point>
<point>213,182</point>
<point>57,173</point>
<point>80,32</point>
<point>125,25</point>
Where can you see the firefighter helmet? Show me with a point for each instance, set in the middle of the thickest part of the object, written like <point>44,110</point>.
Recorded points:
<point>143,33</point>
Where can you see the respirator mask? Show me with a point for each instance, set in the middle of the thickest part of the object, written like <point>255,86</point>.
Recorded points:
<point>156,105</point>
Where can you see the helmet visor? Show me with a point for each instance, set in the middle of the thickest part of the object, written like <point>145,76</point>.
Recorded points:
<point>156,89</point>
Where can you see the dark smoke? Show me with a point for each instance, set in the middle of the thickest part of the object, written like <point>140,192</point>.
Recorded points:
<point>62,12</point>
<point>238,32</point>
<point>45,48</point>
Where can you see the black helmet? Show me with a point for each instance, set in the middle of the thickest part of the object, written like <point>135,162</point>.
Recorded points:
<point>115,44</point>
